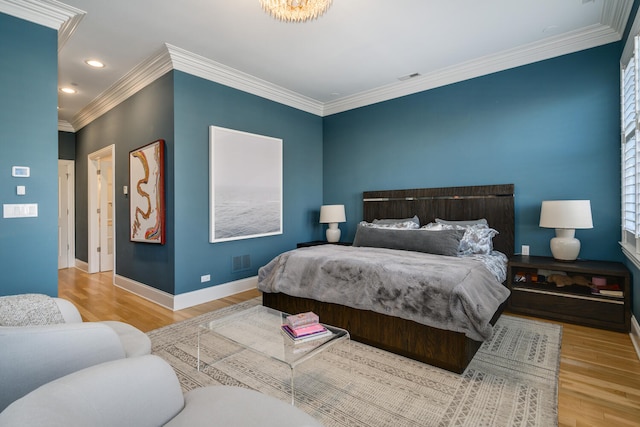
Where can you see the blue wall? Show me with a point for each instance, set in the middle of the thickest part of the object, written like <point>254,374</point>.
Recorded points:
<point>552,128</point>
<point>29,137</point>
<point>66,145</point>
<point>192,104</point>
<point>199,104</point>
<point>141,119</point>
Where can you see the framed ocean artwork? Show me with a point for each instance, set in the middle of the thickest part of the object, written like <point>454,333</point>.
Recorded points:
<point>146,193</point>
<point>245,185</point>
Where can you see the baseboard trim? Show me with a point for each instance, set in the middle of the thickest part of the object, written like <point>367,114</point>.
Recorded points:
<point>147,292</point>
<point>635,335</point>
<point>81,265</point>
<point>187,299</point>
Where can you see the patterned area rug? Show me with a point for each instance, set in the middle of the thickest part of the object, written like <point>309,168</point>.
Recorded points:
<point>512,381</point>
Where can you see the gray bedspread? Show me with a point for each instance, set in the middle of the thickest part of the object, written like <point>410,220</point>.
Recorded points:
<point>445,292</point>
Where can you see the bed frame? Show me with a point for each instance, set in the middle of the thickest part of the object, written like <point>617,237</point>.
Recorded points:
<point>446,349</point>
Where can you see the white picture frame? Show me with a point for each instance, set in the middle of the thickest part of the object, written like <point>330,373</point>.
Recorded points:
<point>245,185</point>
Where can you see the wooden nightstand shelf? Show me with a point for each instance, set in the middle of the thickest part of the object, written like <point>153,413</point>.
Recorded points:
<point>532,294</point>
<point>321,242</point>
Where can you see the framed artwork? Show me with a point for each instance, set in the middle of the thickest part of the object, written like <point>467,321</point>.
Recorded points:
<point>146,193</point>
<point>245,174</point>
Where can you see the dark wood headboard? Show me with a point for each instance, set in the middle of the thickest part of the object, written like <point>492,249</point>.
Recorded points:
<point>493,202</point>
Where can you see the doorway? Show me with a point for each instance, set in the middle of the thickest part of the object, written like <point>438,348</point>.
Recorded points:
<point>101,208</point>
<point>66,214</point>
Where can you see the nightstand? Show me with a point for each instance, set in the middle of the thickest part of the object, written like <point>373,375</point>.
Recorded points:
<point>321,242</point>
<point>533,293</point>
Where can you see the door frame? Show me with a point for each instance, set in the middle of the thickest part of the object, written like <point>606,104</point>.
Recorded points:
<point>93,203</point>
<point>70,165</point>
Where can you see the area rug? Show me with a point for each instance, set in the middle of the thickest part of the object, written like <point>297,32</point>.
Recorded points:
<point>512,380</point>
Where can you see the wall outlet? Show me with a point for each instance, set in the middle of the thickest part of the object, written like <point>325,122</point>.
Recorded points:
<point>525,249</point>
<point>205,278</point>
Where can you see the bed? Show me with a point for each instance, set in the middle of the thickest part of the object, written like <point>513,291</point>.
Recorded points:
<point>438,346</point>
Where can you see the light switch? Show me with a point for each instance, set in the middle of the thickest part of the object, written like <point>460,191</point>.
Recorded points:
<point>20,211</point>
<point>21,190</point>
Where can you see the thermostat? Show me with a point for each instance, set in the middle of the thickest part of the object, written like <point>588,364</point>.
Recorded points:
<point>21,171</point>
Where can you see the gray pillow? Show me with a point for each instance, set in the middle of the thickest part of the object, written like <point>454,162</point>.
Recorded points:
<point>442,242</point>
<point>396,221</point>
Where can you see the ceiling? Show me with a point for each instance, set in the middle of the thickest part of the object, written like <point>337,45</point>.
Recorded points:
<point>356,54</point>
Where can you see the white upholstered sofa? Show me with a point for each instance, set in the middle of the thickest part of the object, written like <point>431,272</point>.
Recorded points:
<point>31,356</point>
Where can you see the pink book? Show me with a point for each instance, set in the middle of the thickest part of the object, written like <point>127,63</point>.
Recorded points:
<point>301,319</point>
<point>306,330</point>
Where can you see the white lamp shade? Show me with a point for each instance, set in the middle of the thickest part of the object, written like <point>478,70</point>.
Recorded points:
<point>568,214</point>
<point>332,213</point>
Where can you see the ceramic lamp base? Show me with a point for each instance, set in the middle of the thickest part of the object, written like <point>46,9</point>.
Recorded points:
<point>333,233</point>
<point>565,247</point>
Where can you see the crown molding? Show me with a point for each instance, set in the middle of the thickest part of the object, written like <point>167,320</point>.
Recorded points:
<point>68,28</point>
<point>613,20</point>
<point>65,126</point>
<point>174,58</point>
<point>615,14</point>
<point>597,35</point>
<point>50,13</point>
<point>208,69</point>
<point>135,80</point>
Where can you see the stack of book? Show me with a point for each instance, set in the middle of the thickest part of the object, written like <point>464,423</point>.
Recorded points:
<point>599,286</point>
<point>304,327</point>
<point>612,290</point>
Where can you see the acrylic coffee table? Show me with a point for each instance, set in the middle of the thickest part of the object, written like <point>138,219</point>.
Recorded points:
<point>258,329</point>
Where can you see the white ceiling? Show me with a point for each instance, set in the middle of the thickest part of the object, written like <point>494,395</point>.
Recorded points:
<point>352,56</point>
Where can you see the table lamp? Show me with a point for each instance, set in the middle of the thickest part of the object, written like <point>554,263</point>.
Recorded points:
<point>332,215</point>
<point>565,216</point>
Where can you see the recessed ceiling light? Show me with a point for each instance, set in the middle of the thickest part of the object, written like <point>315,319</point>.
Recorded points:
<point>68,90</point>
<point>94,63</point>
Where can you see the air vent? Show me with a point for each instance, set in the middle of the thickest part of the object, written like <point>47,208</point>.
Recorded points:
<point>240,263</point>
<point>408,76</point>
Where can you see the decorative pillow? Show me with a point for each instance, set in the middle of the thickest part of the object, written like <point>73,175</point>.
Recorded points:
<point>477,239</point>
<point>415,219</point>
<point>481,221</point>
<point>444,242</point>
<point>434,226</point>
<point>411,225</point>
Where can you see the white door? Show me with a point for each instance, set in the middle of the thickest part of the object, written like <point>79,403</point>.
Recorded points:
<point>63,216</point>
<point>101,208</point>
<point>105,217</point>
<point>66,214</point>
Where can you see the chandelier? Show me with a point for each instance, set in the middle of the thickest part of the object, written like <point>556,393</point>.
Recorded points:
<point>295,10</point>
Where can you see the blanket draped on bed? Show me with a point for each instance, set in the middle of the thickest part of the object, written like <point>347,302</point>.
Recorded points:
<point>444,292</point>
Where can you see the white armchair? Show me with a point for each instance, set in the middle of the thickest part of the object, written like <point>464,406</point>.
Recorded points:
<point>31,356</point>
<point>145,392</point>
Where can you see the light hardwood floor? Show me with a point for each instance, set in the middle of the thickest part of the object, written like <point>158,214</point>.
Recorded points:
<point>599,382</point>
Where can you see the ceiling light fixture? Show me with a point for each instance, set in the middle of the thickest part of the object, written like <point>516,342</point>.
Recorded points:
<point>94,63</point>
<point>68,90</point>
<point>295,10</point>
